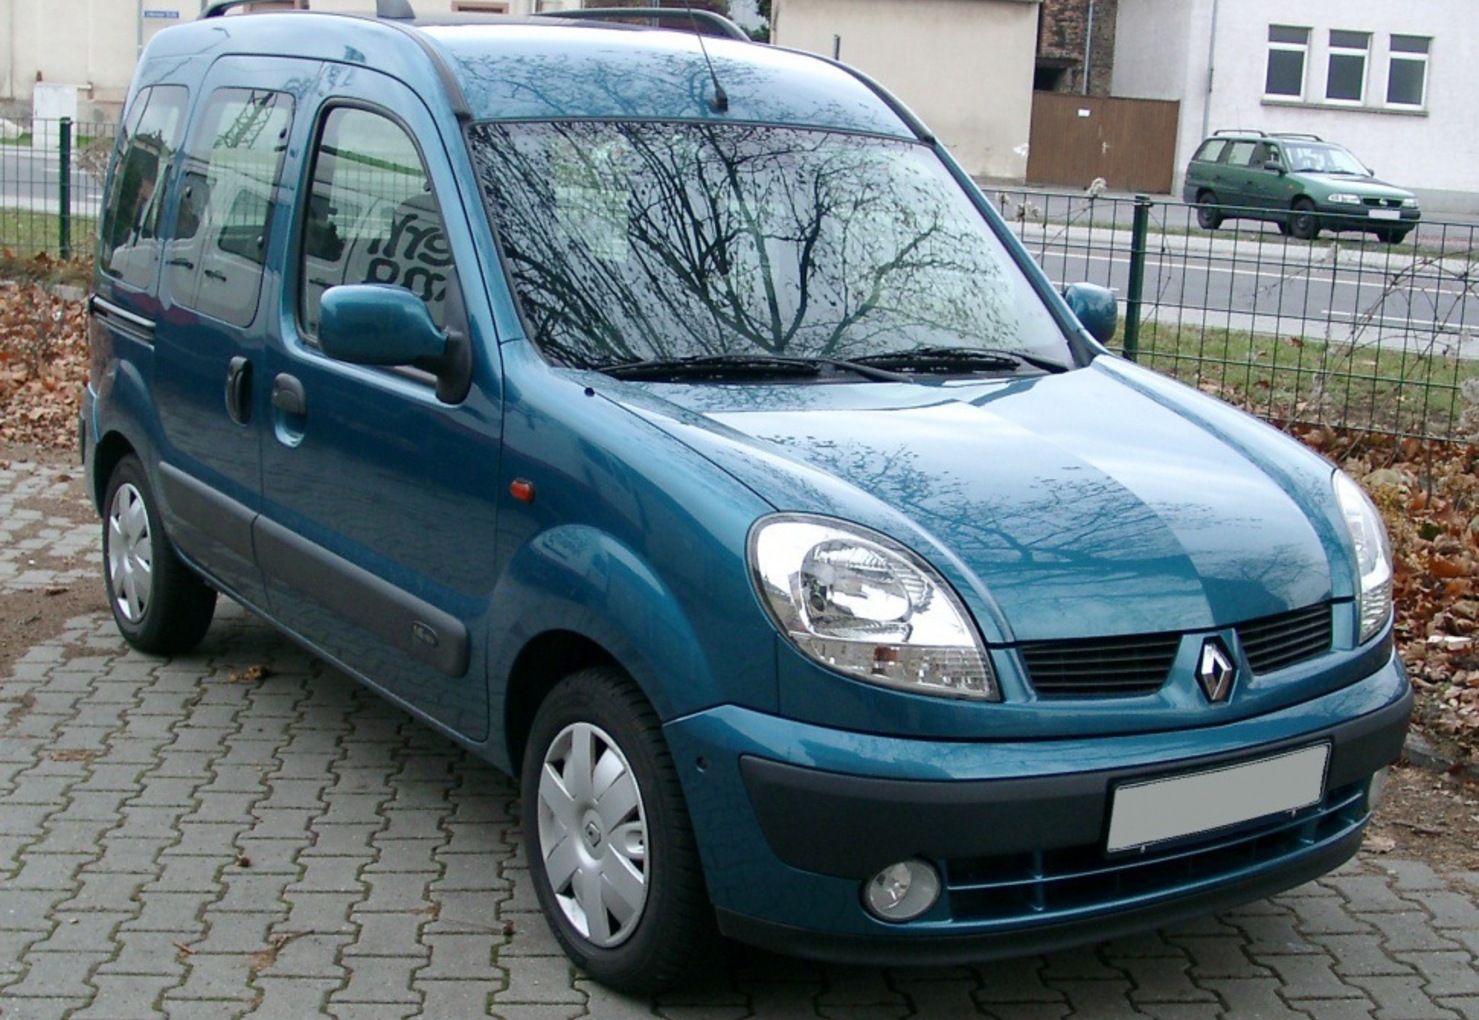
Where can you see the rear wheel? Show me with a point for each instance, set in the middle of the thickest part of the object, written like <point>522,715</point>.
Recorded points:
<point>161,606</point>
<point>1303,223</point>
<point>1209,217</point>
<point>610,846</point>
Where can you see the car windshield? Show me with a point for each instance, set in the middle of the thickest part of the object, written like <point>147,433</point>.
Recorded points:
<point>641,242</point>
<point>1323,158</point>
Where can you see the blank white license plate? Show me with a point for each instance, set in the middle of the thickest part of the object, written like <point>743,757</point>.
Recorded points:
<point>1163,809</point>
<point>1385,214</point>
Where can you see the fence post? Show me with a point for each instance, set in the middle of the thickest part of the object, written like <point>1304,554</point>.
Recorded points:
<point>64,188</point>
<point>1139,229</point>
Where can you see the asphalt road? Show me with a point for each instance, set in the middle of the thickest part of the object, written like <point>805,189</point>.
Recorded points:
<point>1344,288</point>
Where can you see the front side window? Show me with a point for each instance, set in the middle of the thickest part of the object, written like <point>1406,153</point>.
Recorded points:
<point>633,241</point>
<point>217,251</point>
<point>372,217</point>
<point>130,241</point>
<point>1346,81</point>
<point>1407,71</point>
<point>1287,48</point>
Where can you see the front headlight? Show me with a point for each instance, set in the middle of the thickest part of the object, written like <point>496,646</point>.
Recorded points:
<point>1409,203</point>
<point>1344,198</point>
<point>1373,555</point>
<point>859,603</point>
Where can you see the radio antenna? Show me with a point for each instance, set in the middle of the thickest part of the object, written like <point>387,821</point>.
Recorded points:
<point>720,101</point>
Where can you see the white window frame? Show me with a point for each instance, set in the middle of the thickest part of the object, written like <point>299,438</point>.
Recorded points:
<point>1303,49</point>
<point>1396,56</point>
<point>1345,51</point>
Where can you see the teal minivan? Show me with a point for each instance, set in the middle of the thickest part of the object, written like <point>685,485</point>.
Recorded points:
<point>669,420</point>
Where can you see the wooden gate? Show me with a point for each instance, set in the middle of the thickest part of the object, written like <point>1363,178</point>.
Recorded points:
<point>1131,143</point>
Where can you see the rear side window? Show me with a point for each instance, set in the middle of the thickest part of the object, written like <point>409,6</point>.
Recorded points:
<point>218,242</point>
<point>130,242</point>
<point>372,217</point>
<point>1210,150</point>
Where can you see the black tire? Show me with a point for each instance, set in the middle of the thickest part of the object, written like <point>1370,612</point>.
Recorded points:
<point>1303,223</point>
<point>161,606</point>
<point>1283,227</point>
<point>1390,235</point>
<point>1209,217</point>
<point>598,721</point>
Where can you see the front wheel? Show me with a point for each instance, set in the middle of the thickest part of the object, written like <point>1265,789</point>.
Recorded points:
<point>611,849</point>
<point>1390,235</point>
<point>1303,223</point>
<point>160,605</point>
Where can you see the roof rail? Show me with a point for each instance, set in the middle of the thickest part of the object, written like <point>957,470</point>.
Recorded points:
<point>1298,135</point>
<point>391,10</point>
<point>691,18</point>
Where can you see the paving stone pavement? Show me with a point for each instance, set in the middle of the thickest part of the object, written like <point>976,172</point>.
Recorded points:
<point>242,832</point>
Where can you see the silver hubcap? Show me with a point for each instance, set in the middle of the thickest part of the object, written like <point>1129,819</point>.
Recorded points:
<point>593,834</point>
<point>130,555</point>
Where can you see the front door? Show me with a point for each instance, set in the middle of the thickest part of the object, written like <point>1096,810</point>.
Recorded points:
<point>377,534</point>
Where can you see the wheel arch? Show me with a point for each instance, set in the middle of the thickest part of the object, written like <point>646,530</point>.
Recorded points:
<point>110,449</point>
<point>542,663</point>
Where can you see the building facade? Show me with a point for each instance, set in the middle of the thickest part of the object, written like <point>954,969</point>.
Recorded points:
<point>964,66</point>
<point>1391,82</point>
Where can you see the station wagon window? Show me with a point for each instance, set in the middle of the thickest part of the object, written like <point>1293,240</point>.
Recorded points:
<point>215,258</point>
<point>1407,71</point>
<point>1211,150</point>
<point>631,241</point>
<point>1241,153</point>
<point>130,239</point>
<point>371,217</point>
<point>1287,48</point>
<point>1346,82</point>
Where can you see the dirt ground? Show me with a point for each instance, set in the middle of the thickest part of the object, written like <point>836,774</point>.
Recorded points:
<point>1426,815</point>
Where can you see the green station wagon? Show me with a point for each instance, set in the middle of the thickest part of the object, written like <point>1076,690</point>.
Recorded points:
<point>1301,183</point>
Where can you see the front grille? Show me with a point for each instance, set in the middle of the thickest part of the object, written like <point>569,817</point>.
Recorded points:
<point>1278,641</point>
<point>1383,203</point>
<point>1100,668</point>
<point>1045,886</point>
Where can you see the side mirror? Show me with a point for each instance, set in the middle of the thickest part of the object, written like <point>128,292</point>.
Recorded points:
<point>1275,166</point>
<point>1096,309</point>
<point>379,324</point>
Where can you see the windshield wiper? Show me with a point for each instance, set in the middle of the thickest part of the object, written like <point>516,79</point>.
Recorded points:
<point>741,366</point>
<point>958,359</point>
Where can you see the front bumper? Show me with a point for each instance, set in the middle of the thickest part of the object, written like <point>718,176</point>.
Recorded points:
<point>792,820</point>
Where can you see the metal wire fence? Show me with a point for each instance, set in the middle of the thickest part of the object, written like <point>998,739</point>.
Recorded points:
<point>51,187</point>
<point>1345,330</point>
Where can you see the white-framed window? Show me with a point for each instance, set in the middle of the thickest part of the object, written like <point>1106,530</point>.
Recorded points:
<point>1407,71</point>
<point>1288,46</point>
<point>1345,78</point>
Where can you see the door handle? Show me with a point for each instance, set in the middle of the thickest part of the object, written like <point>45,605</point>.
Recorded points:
<point>288,396</point>
<point>215,274</point>
<point>239,390</point>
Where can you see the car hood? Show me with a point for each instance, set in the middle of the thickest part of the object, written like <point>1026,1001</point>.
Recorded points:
<point>1097,502</point>
<point>1371,186</point>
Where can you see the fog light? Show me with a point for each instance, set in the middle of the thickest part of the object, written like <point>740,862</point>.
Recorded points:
<point>903,891</point>
<point>1377,791</point>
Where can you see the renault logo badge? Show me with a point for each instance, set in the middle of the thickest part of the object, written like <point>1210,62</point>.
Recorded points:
<point>1215,671</point>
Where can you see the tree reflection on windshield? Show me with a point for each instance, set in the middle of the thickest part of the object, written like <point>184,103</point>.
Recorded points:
<point>635,241</point>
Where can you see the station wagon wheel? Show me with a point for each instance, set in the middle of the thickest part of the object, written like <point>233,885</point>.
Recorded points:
<point>611,850</point>
<point>1209,217</point>
<point>1303,223</point>
<point>1390,235</point>
<point>160,605</point>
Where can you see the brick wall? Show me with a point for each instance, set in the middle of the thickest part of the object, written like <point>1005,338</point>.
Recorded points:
<point>1062,30</point>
